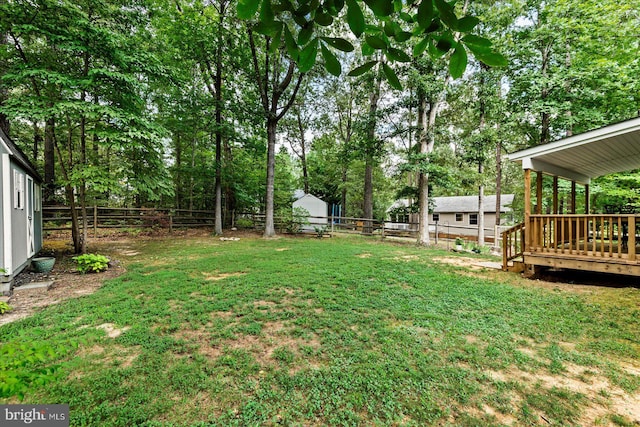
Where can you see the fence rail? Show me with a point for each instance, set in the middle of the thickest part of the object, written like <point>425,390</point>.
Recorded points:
<point>59,218</point>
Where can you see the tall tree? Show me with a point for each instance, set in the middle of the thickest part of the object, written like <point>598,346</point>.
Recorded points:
<point>273,74</point>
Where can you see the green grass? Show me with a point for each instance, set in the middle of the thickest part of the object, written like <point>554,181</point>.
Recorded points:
<point>342,331</point>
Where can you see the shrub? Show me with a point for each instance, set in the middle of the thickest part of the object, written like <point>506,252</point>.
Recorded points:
<point>4,307</point>
<point>26,365</point>
<point>91,263</point>
<point>293,220</point>
<point>320,231</point>
<point>243,223</point>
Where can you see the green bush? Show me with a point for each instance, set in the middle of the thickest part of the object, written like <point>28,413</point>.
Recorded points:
<point>91,263</point>
<point>4,307</point>
<point>24,365</point>
<point>294,219</point>
<point>244,223</point>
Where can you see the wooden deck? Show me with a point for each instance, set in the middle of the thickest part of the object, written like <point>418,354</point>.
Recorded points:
<point>602,243</point>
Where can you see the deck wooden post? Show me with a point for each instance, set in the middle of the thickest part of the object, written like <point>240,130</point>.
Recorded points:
<point>527,208</point>
<point>555,194</point>
<point>538,193</point>
<point>587,204</point>
<point>632,238</point>
<point>573,197</point>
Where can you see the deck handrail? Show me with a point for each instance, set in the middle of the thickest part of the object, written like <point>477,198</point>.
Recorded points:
<point>610,236</point>
<point>512,243</point>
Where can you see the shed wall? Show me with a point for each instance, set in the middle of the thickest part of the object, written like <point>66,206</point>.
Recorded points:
<point>18,224</point>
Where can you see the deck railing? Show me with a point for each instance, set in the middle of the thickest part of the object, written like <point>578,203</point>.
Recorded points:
<point>601,236</point>
<point>512,243</point>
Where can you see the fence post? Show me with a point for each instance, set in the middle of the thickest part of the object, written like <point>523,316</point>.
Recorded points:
<point>95,220</point>
<point>170,222</point>
<point>332,220</point>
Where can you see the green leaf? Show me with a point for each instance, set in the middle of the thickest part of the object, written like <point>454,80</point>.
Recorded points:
<point>434,52</point>
<point>305,34</point>
<point>477,41</point>
<point>275,43</point>
<point>444,45</point>
<point>391,77</point>
<point>467,24</point>
<point>331,63</point>
<point>358,71</point>
<point>398,55</point>
<point>388,29</point>
<point>425,13</point>
<point>403,36</point>
<point>266,12</point>
<point>270,29</point>
<point>419,48</point>
<point>322,18</point>
<point>355,18</point>
<point>380,7</point>
<point>458,62</point>
<point>447,14</point>
<point>338,43</point>
<point>366,49</point>
<point>247,8</point>
<point>375,42</point>
<point>308,56</point>
<point>492,59</point>
<point>290,44</point>
<point>406,17</point>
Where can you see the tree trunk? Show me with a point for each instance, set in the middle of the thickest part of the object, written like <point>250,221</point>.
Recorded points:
<point>178,176</point>
<point>269,225</point>
<point>219,106</point>
<point>545,122</point>
<point>370,153</point>
<point>49,161</point>
<point>423,177</point>
<point>498,180</point>
<point>480,207</point>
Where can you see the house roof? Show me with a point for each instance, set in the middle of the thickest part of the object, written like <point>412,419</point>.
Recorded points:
<point>464,204</point>
<point>19,157</point>
<point>603,151</point>
<point>309,197</point>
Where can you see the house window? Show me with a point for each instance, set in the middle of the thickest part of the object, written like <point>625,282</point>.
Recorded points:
<point>435,217</point>
<point>459,217</point>
<point>473,219</point>
<point>18,190</point>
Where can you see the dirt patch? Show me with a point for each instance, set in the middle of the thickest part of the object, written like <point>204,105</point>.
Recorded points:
<point>281,249</point>
<point>604,398</point>
<point>212,277</point>
<point>364,255</point>
<point>66,284</point>
<point>111,330</point>
<point>467,262</point>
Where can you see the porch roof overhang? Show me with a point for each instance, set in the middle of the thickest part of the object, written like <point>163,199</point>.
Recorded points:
<point>610,149</point>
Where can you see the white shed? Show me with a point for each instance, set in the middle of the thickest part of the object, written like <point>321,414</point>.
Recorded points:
<point>20,212</point>
<point>317,209</point>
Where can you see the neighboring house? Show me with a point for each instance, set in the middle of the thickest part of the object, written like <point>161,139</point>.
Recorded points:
<point>463,210</point>
<point>457,215</point>
<point>316,207</point>
<point>20,211</point>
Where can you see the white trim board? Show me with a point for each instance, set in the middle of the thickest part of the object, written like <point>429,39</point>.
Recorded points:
<point>6,214</point>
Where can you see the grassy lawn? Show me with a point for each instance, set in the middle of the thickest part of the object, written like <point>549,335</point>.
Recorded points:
<point>341,331</point>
